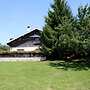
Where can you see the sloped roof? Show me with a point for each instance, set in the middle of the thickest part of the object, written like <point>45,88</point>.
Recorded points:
<point>23,38</point>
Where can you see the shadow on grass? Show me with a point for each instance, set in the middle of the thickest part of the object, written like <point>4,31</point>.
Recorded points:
<point>73,65</point>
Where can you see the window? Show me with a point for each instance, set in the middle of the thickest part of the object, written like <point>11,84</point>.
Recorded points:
<point>20,50</point>
<point>36,39</point>
<point>37,44</point>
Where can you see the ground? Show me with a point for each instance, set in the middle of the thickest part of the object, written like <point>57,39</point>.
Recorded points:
<point>44,76</point>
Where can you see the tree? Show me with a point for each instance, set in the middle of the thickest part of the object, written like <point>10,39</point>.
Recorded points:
<point>57,30</point>
<point>83,28</point>
<point>3,48</point>
<point>65,36</point>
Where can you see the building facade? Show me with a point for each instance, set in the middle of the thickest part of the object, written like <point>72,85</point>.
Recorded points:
<point>26,43</point>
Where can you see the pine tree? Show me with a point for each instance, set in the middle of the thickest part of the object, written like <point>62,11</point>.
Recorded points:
<point>57,30</point>
<point>83,27</point>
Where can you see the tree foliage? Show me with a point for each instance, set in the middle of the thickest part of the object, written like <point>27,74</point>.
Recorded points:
<point>3,48</point>
<point>66,36</point>
<point>83,27</point>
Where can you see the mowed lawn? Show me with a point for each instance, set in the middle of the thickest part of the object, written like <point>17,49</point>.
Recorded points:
<point>42,76</point>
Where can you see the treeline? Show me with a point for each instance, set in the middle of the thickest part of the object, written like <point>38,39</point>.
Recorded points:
<point>4,48</point>
<point>64,35</point>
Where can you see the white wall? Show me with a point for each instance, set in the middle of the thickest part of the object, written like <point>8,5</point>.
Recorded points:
<point>26,49</point>
<point>11,59</point>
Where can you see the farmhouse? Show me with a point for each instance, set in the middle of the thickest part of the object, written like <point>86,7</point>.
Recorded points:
<point>26,43</point>
<point>25,47</point>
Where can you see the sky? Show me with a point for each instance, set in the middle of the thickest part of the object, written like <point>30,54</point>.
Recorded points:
<point>16,15</point>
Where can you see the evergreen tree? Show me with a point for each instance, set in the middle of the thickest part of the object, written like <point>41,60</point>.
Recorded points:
<point>57,30</point>
<point>83,27</point>
<point>64,35</point>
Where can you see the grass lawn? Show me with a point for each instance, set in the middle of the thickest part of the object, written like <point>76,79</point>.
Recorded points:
<point>43,76</point>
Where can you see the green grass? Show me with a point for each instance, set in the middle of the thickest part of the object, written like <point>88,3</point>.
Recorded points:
<point>43,76</point>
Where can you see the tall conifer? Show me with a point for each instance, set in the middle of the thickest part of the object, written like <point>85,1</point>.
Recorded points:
<point>57,30</point>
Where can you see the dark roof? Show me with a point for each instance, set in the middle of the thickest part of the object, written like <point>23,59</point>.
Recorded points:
<point>23,38</point>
